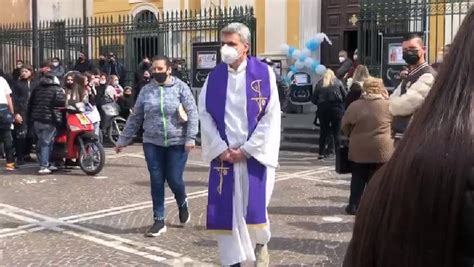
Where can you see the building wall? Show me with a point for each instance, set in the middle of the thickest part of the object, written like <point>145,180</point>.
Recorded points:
<point>278,21</point>
<point>21,11</point>
<point>59,9</point>
<point>126,7</point>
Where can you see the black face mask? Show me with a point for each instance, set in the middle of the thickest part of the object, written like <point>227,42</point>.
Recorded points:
<point>160,77</point>
<point>101,61</point>
<point>411,57</point>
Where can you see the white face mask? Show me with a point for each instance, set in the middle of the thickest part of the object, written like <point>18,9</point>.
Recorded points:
<point>55,64</point>
<point>229,54</point>
<point>342,59</point>
<point>355,57</point>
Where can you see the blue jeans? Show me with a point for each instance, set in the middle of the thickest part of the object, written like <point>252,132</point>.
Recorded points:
<point>165,164</point>
<point>44,147</point>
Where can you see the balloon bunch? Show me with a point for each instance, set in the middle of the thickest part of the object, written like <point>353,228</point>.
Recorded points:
<point>303,58</point>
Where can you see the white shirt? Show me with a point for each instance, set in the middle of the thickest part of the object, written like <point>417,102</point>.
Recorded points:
<point>5,90</point>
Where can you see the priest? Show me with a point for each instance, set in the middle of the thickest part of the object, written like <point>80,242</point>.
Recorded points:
<point>240,130</point>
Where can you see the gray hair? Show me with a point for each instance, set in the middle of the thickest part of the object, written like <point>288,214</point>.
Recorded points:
<point>238,28</point>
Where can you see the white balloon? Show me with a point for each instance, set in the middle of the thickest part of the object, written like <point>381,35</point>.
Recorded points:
<point>308,62</point>
<point>299,65</point>
<point>306,52</point>
<point>296,54</point>
<point>284,48</point>
<point>321,37</point>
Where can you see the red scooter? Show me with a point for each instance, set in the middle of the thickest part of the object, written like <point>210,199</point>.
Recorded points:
<point>78,142</point>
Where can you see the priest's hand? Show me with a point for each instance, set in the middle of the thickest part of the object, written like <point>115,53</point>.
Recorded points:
<point>225,156</point>
<point>237,155</point>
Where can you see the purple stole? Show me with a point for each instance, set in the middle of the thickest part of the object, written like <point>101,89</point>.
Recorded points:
<point>221,174</point>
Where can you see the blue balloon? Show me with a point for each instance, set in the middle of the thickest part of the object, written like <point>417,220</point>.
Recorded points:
<point>314,65</point>
<point>293,69</point>
<point>302,57</point>
<point>291,50</point>
<point>312,45</point>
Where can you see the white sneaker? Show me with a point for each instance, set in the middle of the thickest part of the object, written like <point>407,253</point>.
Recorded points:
<point>52,168</point>
<point>44,170</point>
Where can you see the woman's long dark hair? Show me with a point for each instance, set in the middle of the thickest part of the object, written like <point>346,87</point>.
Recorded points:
<point>409,215</point>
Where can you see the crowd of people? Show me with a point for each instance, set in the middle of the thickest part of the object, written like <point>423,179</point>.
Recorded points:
<point>33,101</point>
<point>359,106</point>
<point>409,153</point>
<point>411,187</point>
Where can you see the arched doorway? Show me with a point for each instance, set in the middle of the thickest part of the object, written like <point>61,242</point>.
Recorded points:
<point>147,38</point>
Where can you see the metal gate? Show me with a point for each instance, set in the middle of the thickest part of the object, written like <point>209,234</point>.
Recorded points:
<point>129,38</point>
<point>387,21</point>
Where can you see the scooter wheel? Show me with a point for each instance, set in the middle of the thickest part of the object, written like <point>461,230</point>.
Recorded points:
<point>115,130</point>
<point>92,158</point>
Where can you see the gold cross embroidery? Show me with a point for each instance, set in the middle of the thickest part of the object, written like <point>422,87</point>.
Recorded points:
<point>223,171</point>
<point>259,99</point>
<point>354,20</point>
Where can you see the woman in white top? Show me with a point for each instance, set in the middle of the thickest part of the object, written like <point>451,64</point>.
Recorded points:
<point>113,90</point>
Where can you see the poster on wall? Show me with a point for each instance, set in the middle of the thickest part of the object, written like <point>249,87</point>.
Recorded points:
<point>206,56</point>
<point>392,61</point>
<point>395,54</point>
<point>206,60</point>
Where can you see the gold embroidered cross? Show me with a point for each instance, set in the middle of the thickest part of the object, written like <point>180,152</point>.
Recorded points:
<point>353,20</point>
<point>259,99</point>
<point>223,171</point>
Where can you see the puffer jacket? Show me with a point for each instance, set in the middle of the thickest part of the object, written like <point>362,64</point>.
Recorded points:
<point>467,224</point>
<point>157,107</point>
<point>44,100</point>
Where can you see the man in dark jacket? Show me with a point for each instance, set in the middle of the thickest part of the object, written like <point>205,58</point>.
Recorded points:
<point>113,67</point>
<point>41,111</point>
<point>346,65</point>
<point>145,65</point>
<point>57,69</point>
<point>83,64</point>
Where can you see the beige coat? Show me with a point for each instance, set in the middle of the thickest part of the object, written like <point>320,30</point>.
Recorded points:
<point>367,123</point>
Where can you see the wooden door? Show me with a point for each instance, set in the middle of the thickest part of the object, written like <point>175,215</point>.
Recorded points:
<point>337,17</point>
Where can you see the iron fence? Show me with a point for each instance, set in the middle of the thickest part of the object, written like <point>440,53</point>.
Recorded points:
<point>130,38</point>
<point>381,21</point>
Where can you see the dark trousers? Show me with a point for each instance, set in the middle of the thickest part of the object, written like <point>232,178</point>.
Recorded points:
<point>330,124</point>
<point>22,140</point>
<point>7,140</point>
<point>361,174</point>
<point>165,164</point>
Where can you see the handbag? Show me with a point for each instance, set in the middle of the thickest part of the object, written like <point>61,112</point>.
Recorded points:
<point>182,115</point>
<point>343,164</point>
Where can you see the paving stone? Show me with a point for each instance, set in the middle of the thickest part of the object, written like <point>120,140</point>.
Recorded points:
<point>309,226</point>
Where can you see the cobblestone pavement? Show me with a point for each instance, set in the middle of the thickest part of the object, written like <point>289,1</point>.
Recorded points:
<point>70,219</point>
